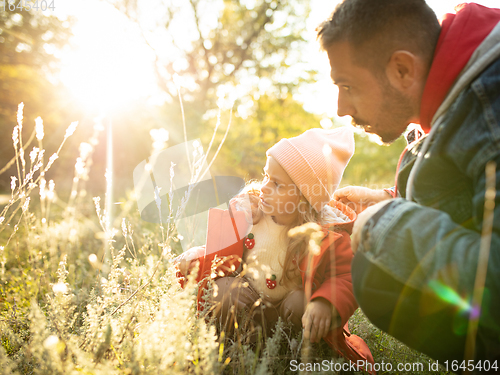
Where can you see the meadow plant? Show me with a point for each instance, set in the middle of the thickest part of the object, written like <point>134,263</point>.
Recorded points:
<point>66,307</point>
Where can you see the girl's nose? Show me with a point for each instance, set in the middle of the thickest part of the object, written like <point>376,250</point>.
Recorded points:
<point>266,188</point>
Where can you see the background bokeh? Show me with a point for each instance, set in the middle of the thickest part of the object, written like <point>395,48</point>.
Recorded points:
<point>254,63</point>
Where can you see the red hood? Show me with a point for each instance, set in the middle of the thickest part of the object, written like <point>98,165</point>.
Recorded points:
<point>461,34</point>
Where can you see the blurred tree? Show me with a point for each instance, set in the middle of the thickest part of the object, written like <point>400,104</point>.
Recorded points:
<point>213,48</point>
<point>244,151</point>
<point>373,165</point>
<point>240,50</point>
<point>249,52</point>
<point>209,43</point>
<point>28,44</point>
<point>31,38</point>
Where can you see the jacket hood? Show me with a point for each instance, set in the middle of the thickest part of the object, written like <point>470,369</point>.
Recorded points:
<point>461,34</point>
<point>346,210</point>
<point>472,37</point>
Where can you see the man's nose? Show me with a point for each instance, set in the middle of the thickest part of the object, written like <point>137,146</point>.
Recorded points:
<point>345,107</point>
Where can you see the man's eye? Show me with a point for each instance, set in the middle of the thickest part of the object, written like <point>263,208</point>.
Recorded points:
<point>346,88</point>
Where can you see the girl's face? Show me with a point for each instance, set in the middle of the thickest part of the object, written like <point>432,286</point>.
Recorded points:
<point>279,196</point>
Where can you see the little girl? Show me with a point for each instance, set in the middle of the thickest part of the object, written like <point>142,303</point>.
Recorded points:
<point>268,274</point>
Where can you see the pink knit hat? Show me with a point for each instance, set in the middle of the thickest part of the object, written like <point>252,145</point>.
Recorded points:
<point>315,161</point>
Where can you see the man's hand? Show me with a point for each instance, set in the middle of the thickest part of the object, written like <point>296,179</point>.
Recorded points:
<point>359,198</point>
<point>363,217</point>
<point>317,319</point>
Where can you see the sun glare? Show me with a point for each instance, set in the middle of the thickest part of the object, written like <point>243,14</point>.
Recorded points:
<point>111,67</point>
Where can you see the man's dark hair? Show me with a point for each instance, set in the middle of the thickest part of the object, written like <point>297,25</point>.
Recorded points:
<point>377,28</point>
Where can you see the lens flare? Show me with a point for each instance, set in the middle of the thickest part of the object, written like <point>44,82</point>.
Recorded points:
<point>450,296</point>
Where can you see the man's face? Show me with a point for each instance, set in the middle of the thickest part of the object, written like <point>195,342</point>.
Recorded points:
<point>370,100</point>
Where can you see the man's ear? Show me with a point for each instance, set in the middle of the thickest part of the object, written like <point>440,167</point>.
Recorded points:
<point>403,70</point>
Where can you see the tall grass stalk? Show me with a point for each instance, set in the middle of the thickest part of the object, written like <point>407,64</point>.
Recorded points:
<point>482,265</point>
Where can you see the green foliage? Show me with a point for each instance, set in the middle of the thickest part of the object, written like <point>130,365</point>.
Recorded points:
<point>30,38</point>
<point>244,152</point>
<point>272,119</point>
<point>373,165</point>
<point>239,50</point>
<point>28,43</point>
<point>214,42</point>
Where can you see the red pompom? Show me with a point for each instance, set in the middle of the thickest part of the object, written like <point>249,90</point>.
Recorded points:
<point>271,282</point>
<point>249,243</point>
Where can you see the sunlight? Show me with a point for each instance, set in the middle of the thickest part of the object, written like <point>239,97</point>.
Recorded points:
<point>104,83</point>
<point>111,67</point>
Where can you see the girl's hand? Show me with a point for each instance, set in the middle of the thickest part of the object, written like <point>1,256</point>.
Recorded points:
<point>249,204</point>
<point>317,319</point>
<point>184,266</point>
<point>185,260</point>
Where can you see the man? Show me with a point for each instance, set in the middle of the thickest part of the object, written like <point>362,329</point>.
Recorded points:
<point>422,272</point>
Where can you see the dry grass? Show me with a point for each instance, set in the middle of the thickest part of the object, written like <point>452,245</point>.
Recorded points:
<point>66,307</point>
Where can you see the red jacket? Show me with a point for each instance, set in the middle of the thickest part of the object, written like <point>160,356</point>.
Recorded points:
<point>329,271</point>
